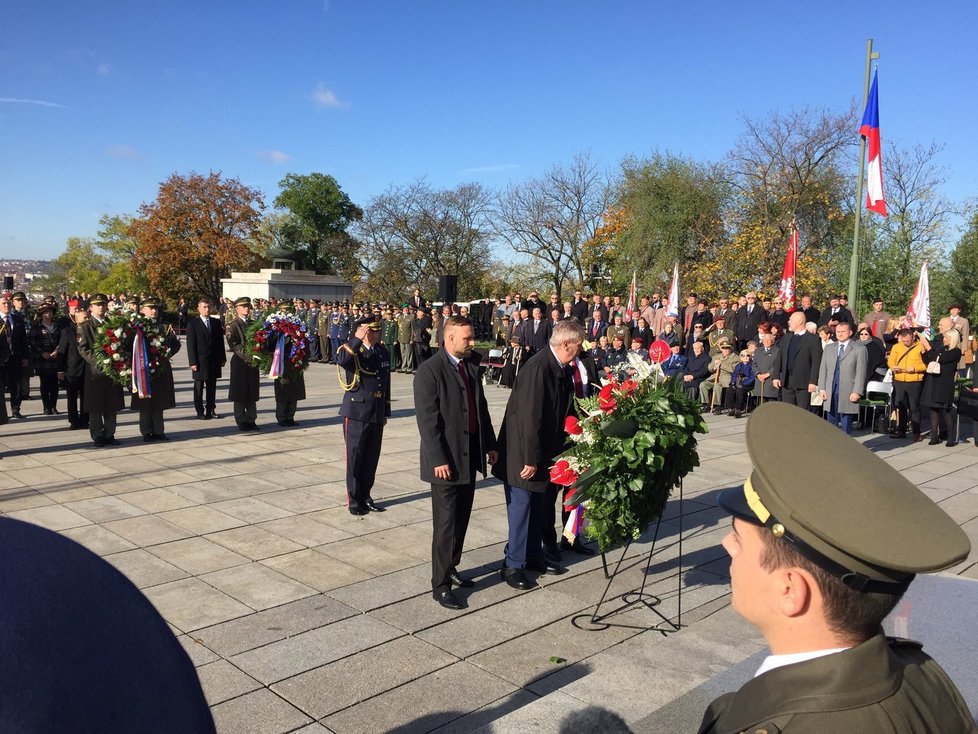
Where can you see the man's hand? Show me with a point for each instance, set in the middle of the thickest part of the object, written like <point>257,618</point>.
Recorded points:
<point>528,471</point>
<point>812,387</point>
<point>854,397</point>
<point>824,395</point>
<point>362,332</point>
<point>443,472</point>
<point>193,368</point>
<point>61,376</point>
<point>777,383</point>
<point>492,456</point>
<point>687,378</point>
<point>763,377</point>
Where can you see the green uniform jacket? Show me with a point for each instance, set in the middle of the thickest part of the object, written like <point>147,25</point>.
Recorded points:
<point>885,685</point>
<point>161,384</point>
<point>245,380</point>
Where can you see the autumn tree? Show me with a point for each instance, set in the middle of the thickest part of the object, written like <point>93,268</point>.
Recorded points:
<point>196,232</point>
<point>412,234</point>
<point>964,266</point>
<point>319,215</point>
<point>550,219</point>
<point>82,267</point>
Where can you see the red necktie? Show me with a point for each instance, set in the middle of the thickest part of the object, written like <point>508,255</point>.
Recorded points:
<point>875,324</point>
<point>473,419</point>
<point>578,382</point>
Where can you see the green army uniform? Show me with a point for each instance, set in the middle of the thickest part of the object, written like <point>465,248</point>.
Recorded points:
<point>622,331</point>
<point>389,334</point>
<point>162,390</point>
<point>716,336</point>
<point>727,364</point>
<point>323,326</point>
<point>870,530</point>
<point>405,329</point>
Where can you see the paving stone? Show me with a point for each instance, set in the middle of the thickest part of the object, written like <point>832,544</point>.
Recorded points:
<point>201,519</point>
<point>424,704</point>
<point>257,586</point>
<point>370,554</point>
<point>222,681</point>
<point>190,604</point>
<point>19,497</point>
<point>261,712</point>
<point>197,556</point>
<point>157,500</point>
<point>254,542</point>
<point>144,569</point>
<point>305,530</point>
<point>271,625</point>
<point>98,540</point>
<point>387,589</point>
<point>307,499</point>
<point>147,530</point>
<point>78,490</point>
<point>308,650</point>
<point>196,651</point>
<point>104,508</point>
<point>122,483</point>
<point>317,570</point>
<point>250,510</point>
<point>52,517</point>
<point>336,686</point>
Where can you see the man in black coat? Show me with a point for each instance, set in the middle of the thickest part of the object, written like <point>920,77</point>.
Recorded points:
<point>531,436</point>
<point>245,380</point>
<point>16,334</point>
<point>836,312</point>
<point>103,397</point>
<point>365,409</point>
<point>746,320</point>
<point>579,307</point>
<point>456,436</point>
<point>536,332</point>
<point>71,367</point>
<point>162,390</point>
<point>800,359</point>
<point>206,355</point>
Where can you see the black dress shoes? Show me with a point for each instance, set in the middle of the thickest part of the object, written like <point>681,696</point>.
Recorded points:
<point>149,439</point>
<point>459,581</point>
<point>354,510</point>
<point>541,565</point>
<point>448,600</point>
<point>373,506</point>
<point>99,442</point>
<point>576,547</point>
<point>244,426</point>
<point>203,417</point>
<point>160,437</point>
<point>213,414</point>
<point>516,578</point>
<point>111,441</point>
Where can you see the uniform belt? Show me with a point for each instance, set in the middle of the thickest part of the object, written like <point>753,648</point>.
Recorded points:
<point>378,394</point>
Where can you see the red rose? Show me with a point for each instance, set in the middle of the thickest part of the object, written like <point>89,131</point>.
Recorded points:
<point>606,399</point>
<point>572,426</point>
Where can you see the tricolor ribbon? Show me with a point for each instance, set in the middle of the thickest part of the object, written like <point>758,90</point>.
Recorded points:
<point>140,365</point>
<point>278,358</point>
<point>575,523</point>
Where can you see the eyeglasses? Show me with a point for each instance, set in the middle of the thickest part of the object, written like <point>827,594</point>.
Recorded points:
<point>867,333</point>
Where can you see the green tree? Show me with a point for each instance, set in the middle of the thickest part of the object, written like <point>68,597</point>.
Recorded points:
<point>115,240</point>
<point>320,213</point>
<point>964,266</point>
<point>82,267</point>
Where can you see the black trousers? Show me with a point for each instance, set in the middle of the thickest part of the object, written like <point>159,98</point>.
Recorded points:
<point>49,390</point>
<point>906,396</point>
<point>451,507</point>
<point>205,396</point>
<point>363,441</point>
<point>14,384</point>
<point>75,397</point>
<point>797,396</point>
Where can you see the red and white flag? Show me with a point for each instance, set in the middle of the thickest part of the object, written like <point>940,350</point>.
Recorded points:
<point>870,129</point>
<point>918,312</point>
<point>630,310</point>
<point>787,290</point>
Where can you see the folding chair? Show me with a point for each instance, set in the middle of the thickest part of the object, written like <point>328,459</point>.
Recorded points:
<point>493,364</point>
<point>878,395</point>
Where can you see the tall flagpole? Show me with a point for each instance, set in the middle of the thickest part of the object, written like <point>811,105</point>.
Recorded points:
<point>854,262</point>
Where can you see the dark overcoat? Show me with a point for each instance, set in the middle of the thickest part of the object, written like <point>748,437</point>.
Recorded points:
<point>532,432</point>
<point>102,394</point>
<point>163,392</point>
<point>206,348</point>
<point>288,389</point>
<point>881,685</point>
<point>69,359</point>
<point>245,382</point>
<point>441,409</point>
<point>801,356</point>
<point>938,390</point>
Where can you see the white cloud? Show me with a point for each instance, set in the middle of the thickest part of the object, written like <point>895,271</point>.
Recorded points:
<point>327,98</point>
<point>275,156</point>
<point>40,102</point>
<point>122,152</point>
<point>495,168</point>
<point>104,69</point>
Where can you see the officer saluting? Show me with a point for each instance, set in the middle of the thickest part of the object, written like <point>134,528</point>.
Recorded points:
<point>363,364</point>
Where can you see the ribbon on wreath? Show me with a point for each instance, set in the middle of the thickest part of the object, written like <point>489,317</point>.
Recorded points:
<point>140,366</point>
<point>278,358</point>
<point>575,523</point>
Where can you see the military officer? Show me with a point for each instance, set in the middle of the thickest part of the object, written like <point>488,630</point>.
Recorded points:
<point>721,370</point>
<point>288,390</point>
<point>363,364</point>
<point>244,373</point>
<point>162,392</point>
<point>102,397</point>
<point>405,329</point>
<point>718,332</point>
<point>312,330</point>
<point>337,325</point>
<point>389,337</point>
<point>816,574</point>
<point>322,331</point>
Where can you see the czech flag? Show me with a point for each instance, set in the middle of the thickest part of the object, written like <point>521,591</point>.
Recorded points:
<point>870,129</point>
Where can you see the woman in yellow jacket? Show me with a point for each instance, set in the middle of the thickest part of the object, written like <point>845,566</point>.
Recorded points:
<point>908,378</point>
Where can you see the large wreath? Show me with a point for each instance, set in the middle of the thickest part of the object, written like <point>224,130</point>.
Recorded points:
<point>114,339</point>
<point>262,339</point>
<point>632,444</point>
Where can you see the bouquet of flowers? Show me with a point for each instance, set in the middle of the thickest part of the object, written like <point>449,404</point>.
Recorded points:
<point>279,345</point>
<point>632,443</point>
<point>116,339</point>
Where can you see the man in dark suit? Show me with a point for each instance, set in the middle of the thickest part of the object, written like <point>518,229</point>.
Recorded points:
<point>16,334</point>
<point>456,436</point>
<point>4,358</point>
<point>71,366</point>
<point>597,327</point>
<point>365,409</point>
<point>536,333</point>
<point>801,356</point>
<point>531,436</point>
<point>579,307</point>
<point>245,380</point>
<point>835,313</point>
<point>103,397</point>
<point>205,352</point>
<point>745,321</point>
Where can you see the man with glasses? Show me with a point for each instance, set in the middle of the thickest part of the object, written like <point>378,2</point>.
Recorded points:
<point>579,307</point>
<point>779,316</point>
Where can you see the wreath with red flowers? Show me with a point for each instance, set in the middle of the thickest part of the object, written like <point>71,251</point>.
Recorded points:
<point>261,339</point>
<point>114,339</point>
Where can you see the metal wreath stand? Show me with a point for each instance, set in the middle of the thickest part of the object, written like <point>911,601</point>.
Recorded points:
<point>596,622</point>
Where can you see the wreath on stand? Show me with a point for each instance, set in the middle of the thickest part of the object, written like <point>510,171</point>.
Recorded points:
<point>115,341</point>
<point>279,346</point>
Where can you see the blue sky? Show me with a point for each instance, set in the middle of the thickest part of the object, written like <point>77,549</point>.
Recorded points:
<point>100,101</point>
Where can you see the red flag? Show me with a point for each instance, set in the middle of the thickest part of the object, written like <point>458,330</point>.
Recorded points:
<point>870,129</point>
<point>787,290</point>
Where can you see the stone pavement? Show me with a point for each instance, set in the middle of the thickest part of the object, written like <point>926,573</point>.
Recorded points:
<point>301,617</point>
